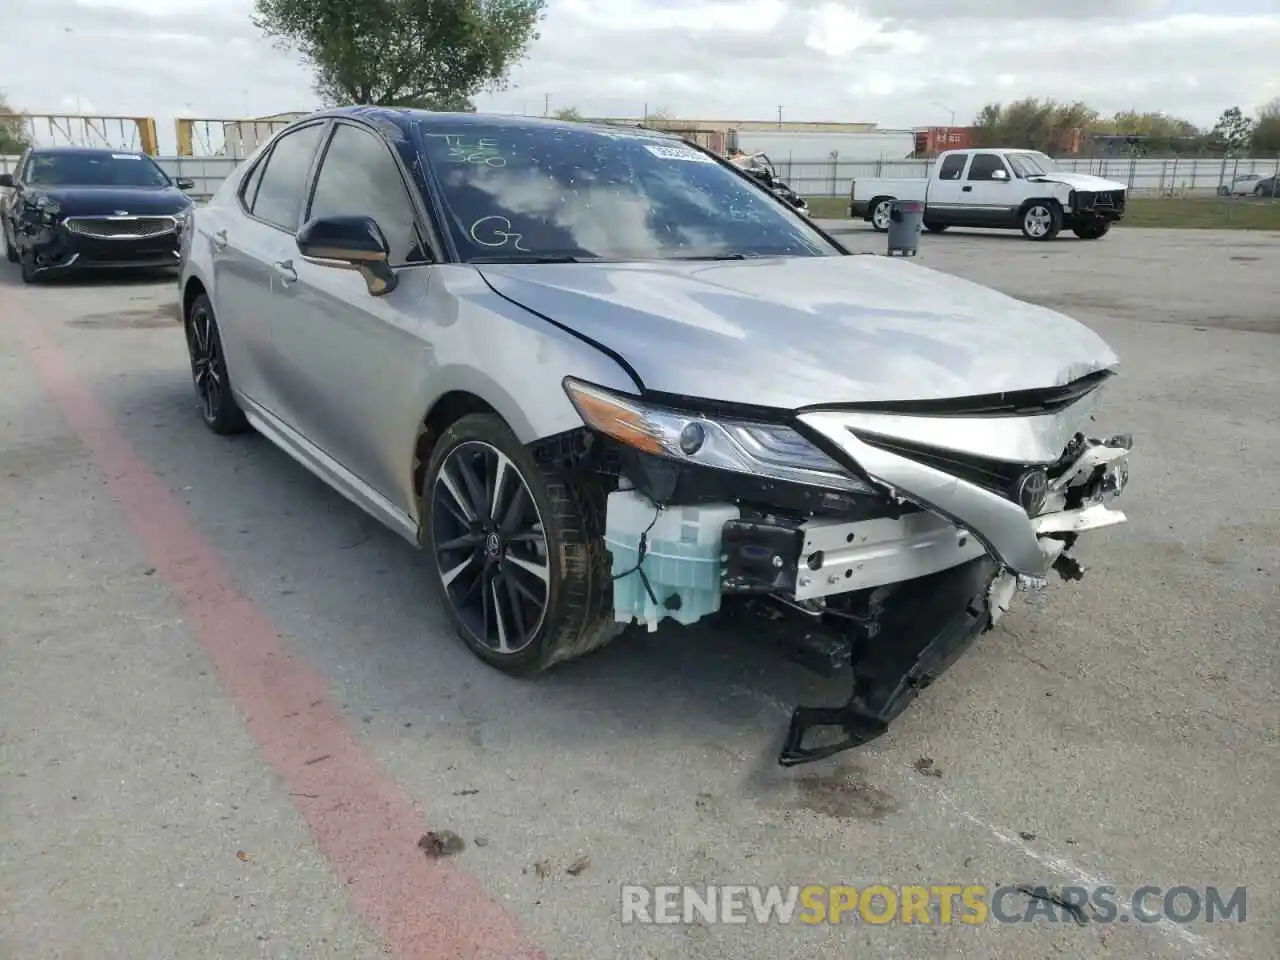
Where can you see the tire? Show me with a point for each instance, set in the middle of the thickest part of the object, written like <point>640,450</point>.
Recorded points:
<point>935,227</point>
<point>544,557</point>
<point>1091,231</point>
<point>27,267</point>
<point>1224,191</point>
<point>1041,220</point>
<point>218,407</point>
<point>880,211</point>
<point>10,251</point>
<point>1259,192</point>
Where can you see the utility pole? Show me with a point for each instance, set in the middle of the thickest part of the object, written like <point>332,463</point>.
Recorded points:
<point>546,104</point>
<point>779,116</point>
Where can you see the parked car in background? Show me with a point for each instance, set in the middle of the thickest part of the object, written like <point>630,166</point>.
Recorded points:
<point>1011,189</point>
<point>1241,186</point>
<point>77,208</point>
<point>602,377</point>
<point>1267,186</point>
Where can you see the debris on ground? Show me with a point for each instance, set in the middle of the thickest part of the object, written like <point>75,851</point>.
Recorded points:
<point>243,857</point>
<point>481,841</point>
<point>1025,835</point>
<point>465,793</point>
<point>441,843</point>
<point>542,869</point>
<point>579,864</point>
<point>1042,893</point>
<point>926,767</point>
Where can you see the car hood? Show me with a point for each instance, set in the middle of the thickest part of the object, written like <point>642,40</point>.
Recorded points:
<point>114,201</point>
<point>1080,181</point>
<point>796,332</point>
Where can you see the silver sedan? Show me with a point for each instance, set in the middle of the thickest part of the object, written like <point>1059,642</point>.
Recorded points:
<point>606,378</point>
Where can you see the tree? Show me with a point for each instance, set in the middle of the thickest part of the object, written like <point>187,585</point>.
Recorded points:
<point>13,138</point>
<point>403,52</point>
<point>1266,132</point>
<point>567,113</point>
<point>1033,124</point>
<point>1233,133</point>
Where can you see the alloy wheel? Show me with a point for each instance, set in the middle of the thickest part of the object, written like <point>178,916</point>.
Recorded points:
<point>882,215</point>
<point>206,361</point>
<point>490,546</point>
<point>1038,220</point>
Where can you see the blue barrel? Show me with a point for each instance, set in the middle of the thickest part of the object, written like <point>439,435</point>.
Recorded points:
<point>906,219</point>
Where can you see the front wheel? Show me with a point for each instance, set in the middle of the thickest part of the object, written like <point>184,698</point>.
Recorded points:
<point>935,227</point>
<point>218,406</point>
<point>522,572</point>
<point>1091,231</point>
<point>1041,220</point>
<point>27,266</point>
<point>881,215</point>
<point>10,251</point>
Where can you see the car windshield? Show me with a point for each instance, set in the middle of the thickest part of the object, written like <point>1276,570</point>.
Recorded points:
<point>1031,164</point>
<point>517,192</point>
<point>94,170</point>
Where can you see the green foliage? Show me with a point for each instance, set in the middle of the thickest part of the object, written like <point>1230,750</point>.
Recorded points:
<point>1266,132</point>
<point>567,113</point>
<point>404,52</point>
<point>1232,135</point>
<point>1032,124</point>
<point>13,138</point>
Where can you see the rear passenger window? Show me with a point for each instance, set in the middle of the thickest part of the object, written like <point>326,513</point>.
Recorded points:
<point>282,188</point>
<point>360,178</point>
<point>250,188</point>
<point>952,167</point>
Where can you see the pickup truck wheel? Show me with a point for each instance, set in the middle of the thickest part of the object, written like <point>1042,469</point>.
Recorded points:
<point>1041,220</point>
<point>880,214</point>
<point>518,549</point>
<point>1091,231</point>
<point>935,227</point>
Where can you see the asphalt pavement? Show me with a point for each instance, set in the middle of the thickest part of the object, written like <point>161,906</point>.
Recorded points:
<point>176,604</point>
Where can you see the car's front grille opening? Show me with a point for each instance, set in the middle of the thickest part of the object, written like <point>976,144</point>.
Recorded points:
<point>120,228</point>
<point>994,475</point>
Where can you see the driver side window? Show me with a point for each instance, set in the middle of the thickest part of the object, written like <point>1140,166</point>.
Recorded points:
<point>360,178</point>
<point>985,165</point>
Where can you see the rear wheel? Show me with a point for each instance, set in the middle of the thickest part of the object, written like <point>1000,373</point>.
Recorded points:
<point>519,564</point>
<point>27,266</point>
<point>1041,220</point>
<point>218,406</point>
<point>880,214</point>
<point>10,251</point>
<point>1091,231</point>
<point>935,227</point>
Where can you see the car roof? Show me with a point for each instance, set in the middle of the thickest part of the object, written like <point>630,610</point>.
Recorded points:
<point>405,118</point>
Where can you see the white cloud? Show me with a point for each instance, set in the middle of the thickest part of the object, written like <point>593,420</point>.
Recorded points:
<point>900,63</point>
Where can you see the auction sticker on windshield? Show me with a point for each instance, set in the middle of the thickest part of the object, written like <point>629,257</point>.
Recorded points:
<point>677,153</point>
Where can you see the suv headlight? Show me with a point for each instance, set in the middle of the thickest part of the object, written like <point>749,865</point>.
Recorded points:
<point>768,450</point>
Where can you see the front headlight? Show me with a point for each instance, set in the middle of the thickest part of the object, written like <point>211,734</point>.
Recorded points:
<point>767,450</point>
<point>184,219</point>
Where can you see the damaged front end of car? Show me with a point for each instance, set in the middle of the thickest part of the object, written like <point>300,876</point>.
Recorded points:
<point>879,538</point>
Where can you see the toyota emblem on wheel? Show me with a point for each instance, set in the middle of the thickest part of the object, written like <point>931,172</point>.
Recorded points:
<point>1031,490</point>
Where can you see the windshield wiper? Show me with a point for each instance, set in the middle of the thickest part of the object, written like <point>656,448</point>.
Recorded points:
<point>712,256</point>
<point>534,258</point>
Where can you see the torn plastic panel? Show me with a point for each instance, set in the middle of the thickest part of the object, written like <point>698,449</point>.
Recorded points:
<point>891,590</point>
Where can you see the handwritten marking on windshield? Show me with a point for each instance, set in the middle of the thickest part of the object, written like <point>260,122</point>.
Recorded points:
<point>501,229</point>
<point>483,152</point>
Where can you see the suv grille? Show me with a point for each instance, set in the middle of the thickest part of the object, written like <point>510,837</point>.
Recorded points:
<point>121,228</point>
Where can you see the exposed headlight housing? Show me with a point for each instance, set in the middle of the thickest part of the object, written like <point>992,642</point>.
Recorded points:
<point>769,450</point>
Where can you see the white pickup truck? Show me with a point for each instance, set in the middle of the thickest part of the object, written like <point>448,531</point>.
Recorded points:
<point>999,187</point>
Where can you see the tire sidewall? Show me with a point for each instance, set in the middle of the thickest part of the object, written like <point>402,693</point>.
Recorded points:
<point>490,429</point>
<point>1055,219</point>
<point>228,418</point>
<point>887,204</point>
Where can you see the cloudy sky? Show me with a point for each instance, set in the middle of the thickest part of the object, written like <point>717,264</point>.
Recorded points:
<point>899,63</point>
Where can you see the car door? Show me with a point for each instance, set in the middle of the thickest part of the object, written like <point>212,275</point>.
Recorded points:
<point>352,362</point>
<point>249,237</point>
<point>10,201</point>
<point>945,204</point>
<point>991,197</point>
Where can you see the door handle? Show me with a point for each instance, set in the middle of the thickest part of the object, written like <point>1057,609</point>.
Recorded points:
<point>966,188</point>
<point>284,269</point>
<point>219,241</point>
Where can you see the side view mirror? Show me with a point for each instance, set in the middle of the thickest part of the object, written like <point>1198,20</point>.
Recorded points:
<point>185,183</point>
<point>6,179</point>
<point>999,175</point>
<point>350,243</point>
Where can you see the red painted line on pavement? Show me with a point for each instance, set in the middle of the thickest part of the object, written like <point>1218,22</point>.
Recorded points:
<point>365,824</point>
